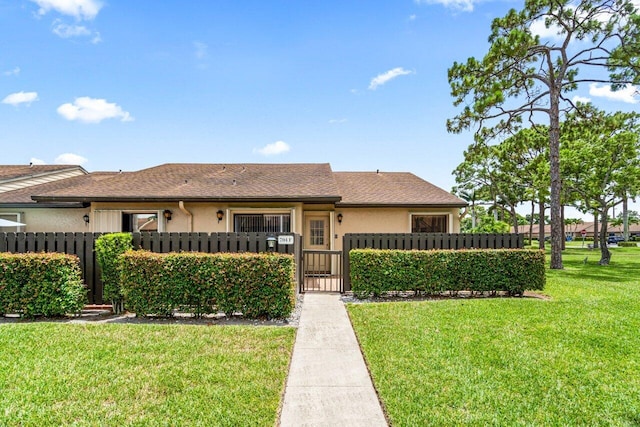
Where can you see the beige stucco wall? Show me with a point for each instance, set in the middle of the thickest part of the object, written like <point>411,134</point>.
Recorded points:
<point>355,220</point>
<point>203,215</point>
<point>384,220</point>
<point>52,219</point>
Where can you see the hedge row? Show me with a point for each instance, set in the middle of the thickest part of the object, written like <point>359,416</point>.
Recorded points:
<point>108,247</point>
<point>47,284</point>
<point>256,285</point>
<point>375,272</point>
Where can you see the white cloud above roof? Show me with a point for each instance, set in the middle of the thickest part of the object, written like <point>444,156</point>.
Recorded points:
<point>278,147</point>
<point>582,99</point>
<point>36,161</point>
<point>65,31</point>
<point>93,110</point>
<point>13,72</point>
<point>385,77</point>
<point>20,98</point>
<point>79,9</point>
<point>70,159</point>
<point>630,94</point>
<point>461,5</point>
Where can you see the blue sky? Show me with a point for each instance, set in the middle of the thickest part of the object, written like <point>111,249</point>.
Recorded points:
<point>131,84</point>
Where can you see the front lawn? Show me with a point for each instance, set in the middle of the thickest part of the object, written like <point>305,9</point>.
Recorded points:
<point>570,360</point>
<point>119,375</point>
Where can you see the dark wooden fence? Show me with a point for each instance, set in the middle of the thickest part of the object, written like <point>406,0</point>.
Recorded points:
<point>82,245</point>
<point>425,241</point>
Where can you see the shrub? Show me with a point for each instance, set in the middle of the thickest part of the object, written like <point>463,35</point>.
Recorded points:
<point>375,272</point>
<point>627,244</point>
<point>108,247</point>
<point>256,285</point>
<point>48,284</point>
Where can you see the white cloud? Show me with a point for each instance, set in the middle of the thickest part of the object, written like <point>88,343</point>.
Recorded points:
<point>35,161</point>
<point>92,110</point>
<point>383,78</point>
<point>20,98</point>
<point>79,9</point>
<point>539,28</point>
<point>582,99</point>
<point>412,17</point>
<point>65,31</point>
<point>273,149</point>
<point>629,94</point>
<point>70,159</point>
<point>461,5</point>
<point>13,72</point>
<point>200,50</point>
<point>333,121</point>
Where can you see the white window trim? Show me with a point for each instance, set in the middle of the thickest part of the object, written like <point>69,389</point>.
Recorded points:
<point>447,214</point>
<point>161,219</point>
<point>18,218</point>
<point>159,213</point>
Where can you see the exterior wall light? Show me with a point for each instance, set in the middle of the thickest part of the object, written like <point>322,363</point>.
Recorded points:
<point>167,214</point>
<point>339,218</point>
<point>220,215</point>
<point>271,243</point>
<point>86,218</point>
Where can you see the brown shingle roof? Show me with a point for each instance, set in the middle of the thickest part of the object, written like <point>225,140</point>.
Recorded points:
<point>391,189</point>
<point>23,195</point>
<point>8,172</point>
<point>178,181</point>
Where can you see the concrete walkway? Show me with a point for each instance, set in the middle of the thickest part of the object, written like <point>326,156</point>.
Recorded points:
<point>328,384</point>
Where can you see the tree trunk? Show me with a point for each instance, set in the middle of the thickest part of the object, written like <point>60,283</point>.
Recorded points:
<point>533,207</point>
<point>541,226</point>
<point>473,214</point>
<point>625,218</point>
<point>556,185</point>
<point>605,255</point>
<point>596,239</point>
<point>515,219</point>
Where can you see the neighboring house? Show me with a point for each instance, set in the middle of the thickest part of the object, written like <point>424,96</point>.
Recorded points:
<point>308,199</point>
<point>19,182</point>
<point>575,230</point>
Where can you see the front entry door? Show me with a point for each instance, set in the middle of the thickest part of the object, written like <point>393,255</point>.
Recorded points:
<point>317,237</point>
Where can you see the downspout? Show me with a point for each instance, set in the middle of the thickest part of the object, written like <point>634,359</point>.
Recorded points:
<point>188,214</point>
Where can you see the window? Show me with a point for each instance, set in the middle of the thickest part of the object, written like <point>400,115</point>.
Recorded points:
<point>15,217</point>
<point>262,223</point>
<point>140,221</point>
<point>316,230</point>
<point>429,223</point>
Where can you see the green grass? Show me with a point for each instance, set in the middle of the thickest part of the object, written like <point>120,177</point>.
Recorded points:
<point>54,374</point>
<point>570,360</point>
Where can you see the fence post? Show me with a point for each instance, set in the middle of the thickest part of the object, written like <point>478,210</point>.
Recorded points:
<point>346,262</point>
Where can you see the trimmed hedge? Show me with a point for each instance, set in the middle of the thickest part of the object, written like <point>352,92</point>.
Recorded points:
<point>108,247</point>
<point>628,244</point>
<point>375,272</point>
<point>47,284</point>
<point>256,285</point>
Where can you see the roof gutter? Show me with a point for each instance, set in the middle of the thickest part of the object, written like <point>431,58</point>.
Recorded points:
<point>188,214</point>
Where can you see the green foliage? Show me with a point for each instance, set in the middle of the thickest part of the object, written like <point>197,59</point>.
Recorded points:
<point>256,285</point>
<point>488,224</point>
<point>572,359</point>
<point>375,272</point>
<point>108,247</point>
<point>627,244</point>
<point>47,284</point>
<point>524,77</point>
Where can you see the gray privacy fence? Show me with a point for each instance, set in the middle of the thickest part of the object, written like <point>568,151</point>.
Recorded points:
<point>82,245</point>
<point>425,241</point>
